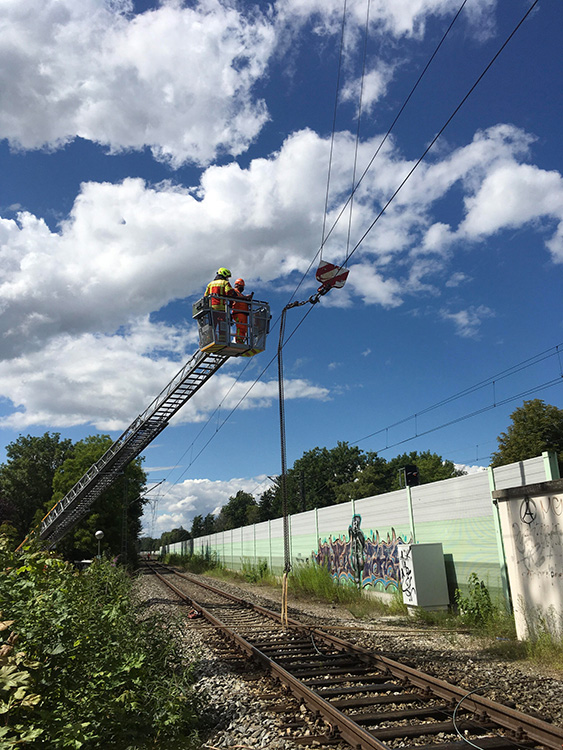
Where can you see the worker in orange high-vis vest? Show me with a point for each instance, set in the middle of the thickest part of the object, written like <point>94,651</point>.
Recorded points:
<point>240,311</point>
<point>219,289</point>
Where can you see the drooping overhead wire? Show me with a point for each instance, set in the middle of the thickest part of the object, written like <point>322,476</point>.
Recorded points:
<point>439,133</point>
<point>552,352</point>
<point>395,120</point>
<point>376,153</point>
<point>358,128</point>
<point>336,99</point>
<point>349,254</point>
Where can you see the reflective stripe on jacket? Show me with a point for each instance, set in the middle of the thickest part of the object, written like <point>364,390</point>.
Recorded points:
<point>222,288</point>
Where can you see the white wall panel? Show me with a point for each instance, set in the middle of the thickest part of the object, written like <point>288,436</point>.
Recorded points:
<point>460,497</point>
<point>262,531</point>
<point>335,520</point>
<point>523,472</point>
<point>383,512</point>
<point>456,512</point>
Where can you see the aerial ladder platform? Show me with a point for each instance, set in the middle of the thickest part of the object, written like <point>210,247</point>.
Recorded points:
<point>220,338</point>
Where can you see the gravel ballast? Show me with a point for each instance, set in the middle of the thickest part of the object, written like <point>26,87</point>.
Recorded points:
<point>241,698</point>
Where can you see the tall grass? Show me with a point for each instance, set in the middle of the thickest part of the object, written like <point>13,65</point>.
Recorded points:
<point>315,581</point>
<point>196,563</point>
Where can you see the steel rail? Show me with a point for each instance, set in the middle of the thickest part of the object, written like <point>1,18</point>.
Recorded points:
<point>348,730</point>
<point>522,727</point>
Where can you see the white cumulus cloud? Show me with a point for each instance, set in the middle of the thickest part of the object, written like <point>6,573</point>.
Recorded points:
<point>177,505</point>
<point>129,249</point>
<point>177,79</point>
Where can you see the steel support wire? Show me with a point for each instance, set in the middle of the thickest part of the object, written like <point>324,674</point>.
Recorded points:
<point>283,477</point>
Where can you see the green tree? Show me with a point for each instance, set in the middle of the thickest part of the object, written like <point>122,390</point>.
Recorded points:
<point>321,477</point>
<point>320,472</point>
<point>176,535</point>
<point>26,479</point>
<point>209,524</point>
<point>107,512</point>
<point>536,427</point>
<point>239,511</point>
<point>148,544</point>
<point>374,478</point>
<point>197,527</point>
<point>266,504</point>
<point>431,468</point>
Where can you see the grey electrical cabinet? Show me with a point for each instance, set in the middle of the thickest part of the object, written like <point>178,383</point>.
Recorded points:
<point>423,576</point>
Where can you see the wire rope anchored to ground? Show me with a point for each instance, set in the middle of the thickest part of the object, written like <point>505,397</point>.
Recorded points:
<point>330,277</point>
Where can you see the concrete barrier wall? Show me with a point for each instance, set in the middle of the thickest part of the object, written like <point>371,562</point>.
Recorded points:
<point>457,512</point>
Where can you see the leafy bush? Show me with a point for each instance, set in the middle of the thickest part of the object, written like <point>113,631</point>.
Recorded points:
<point>258,572</point>
<point>86,672</point>
<point>195,563</point>
<point>475,608</point>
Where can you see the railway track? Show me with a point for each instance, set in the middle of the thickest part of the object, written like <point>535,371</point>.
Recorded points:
<point>367,700</point>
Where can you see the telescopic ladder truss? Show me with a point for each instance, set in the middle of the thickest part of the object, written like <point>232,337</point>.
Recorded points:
<point>76,503</point>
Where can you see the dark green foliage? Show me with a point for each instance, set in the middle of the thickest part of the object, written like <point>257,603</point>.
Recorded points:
<point>194,563</point>
<point>475,607</point>
<point>536,427</point>
<point>107,512</point>
<point>26,479</point>
<point>239,511</point>
<point>171,537</point>
<point>202,526</point>
<point>86,671</point>
<point>324,477</point>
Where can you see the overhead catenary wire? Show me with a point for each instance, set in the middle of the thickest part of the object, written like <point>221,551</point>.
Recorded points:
<point>553,351</point>
<point>438,134</point>
<point>336,99</point>
<point>358,128</point>
<point>393,196</point>
<point>377,151</point>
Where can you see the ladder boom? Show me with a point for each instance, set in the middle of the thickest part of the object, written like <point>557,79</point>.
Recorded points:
<point>142,431</point>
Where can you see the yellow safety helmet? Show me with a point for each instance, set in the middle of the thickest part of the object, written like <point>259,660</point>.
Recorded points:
<point>224,272</point>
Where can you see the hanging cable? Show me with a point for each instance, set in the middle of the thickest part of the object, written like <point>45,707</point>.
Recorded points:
<point>438,134</point>
<point>351,200</point>
<point>387,134</point>
<point>283,476</point>
<point>397,116</point>
<point>336,97</point>
<point>349,254</point>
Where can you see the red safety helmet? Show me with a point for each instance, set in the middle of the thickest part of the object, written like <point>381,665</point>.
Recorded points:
<point>239,282</point>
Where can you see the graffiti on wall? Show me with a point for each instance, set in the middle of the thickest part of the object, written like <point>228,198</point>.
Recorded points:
<point>360,559</point>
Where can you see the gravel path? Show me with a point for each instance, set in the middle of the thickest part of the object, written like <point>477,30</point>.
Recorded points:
<point>241,701</point>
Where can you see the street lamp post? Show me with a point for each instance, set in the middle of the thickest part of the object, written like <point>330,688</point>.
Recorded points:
<point>99,536</point>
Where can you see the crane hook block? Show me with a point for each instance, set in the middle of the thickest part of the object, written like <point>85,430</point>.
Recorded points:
<point>331,276</point>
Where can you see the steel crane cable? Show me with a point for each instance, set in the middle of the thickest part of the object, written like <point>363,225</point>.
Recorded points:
<point>439,133</point>
<point>349,255</point>
<point>351,200</point>
<point>386,136</point>
<point>336,97</point>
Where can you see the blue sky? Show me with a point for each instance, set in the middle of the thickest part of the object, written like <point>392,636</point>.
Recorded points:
<point>145,144</point>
